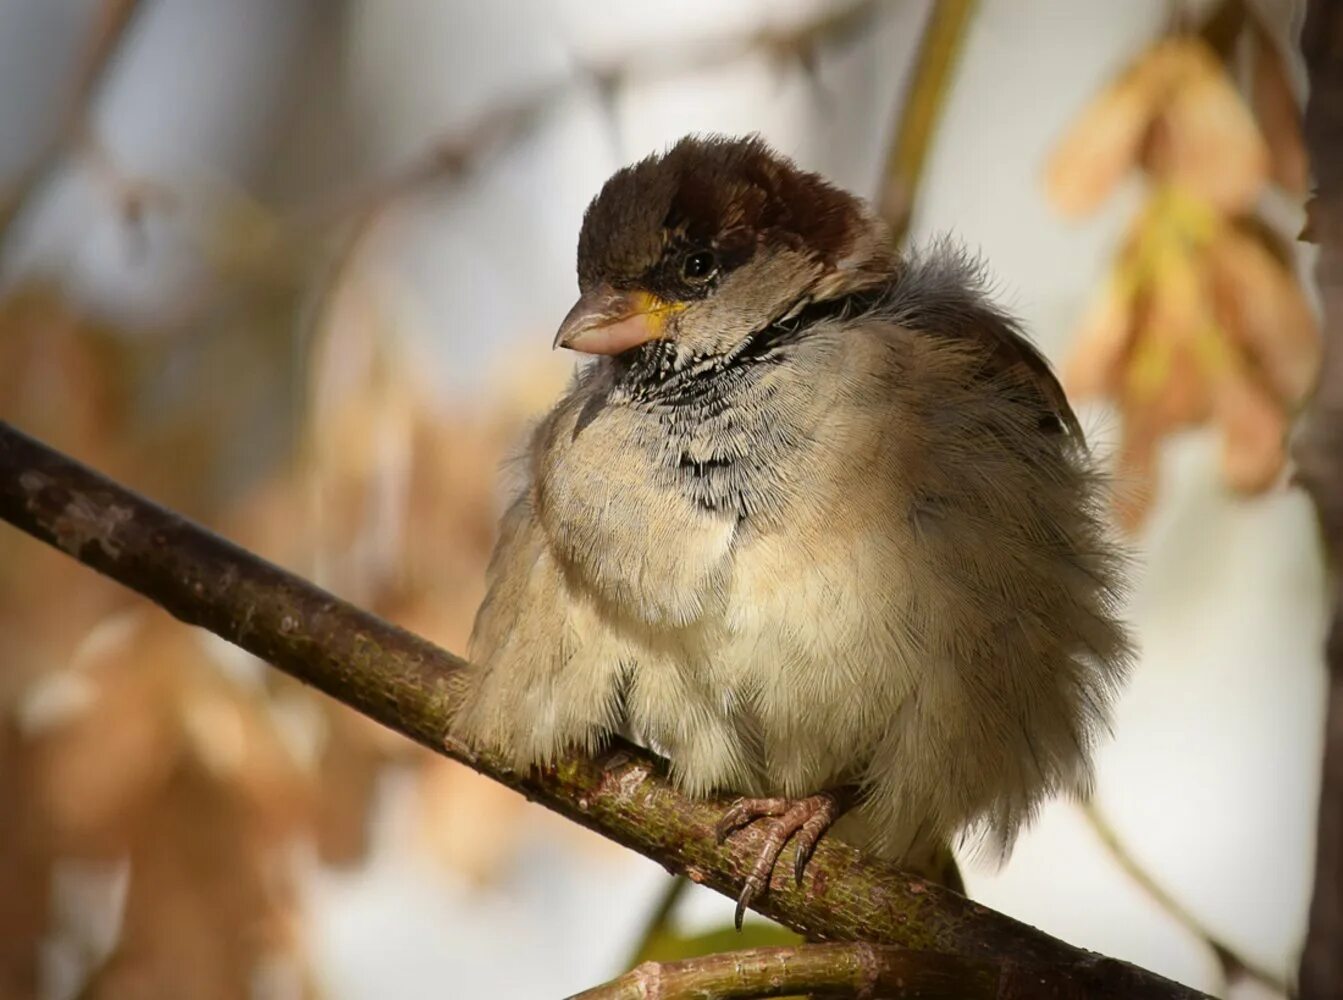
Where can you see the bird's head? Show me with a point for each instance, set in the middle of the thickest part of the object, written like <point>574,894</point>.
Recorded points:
<point>684,256</point>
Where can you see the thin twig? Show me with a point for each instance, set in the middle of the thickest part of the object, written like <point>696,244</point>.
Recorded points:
<point>943,38</point>
<point>463,150</point>
<point>1234,965</point>
<point>1319,459</point>
<point>414,688</point>
<point>660,920</point>
<point>113,18</point>
<point>852,970</point>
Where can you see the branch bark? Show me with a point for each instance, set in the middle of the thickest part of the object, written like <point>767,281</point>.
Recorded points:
<point>850,969</point>
<point>413,688</point>
<point>1319,459</point>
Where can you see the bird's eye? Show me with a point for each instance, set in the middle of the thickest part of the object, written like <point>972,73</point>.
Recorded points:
<point>699,266</point>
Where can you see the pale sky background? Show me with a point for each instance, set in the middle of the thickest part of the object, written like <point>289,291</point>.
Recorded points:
<point>1213,772</point>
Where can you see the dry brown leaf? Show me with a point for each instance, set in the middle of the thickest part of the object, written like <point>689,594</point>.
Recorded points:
<point>1104,142</point>
<point>1201,320</point>
<point>212,909</point>
<point>1254,432</point>
<point>102,735</point>
<point>1264,307</point>
<point>165,760</point>
<point>354,754</point>
<point>231,735</point>
<point>1178,314</point>
<point>1204,138</point>
<point>1094,368</point>
<point>273,519</point>
<point>25,872</point>
<point>467,823</point>
<point>1184,399</point>
<point>41,634</point>
<point>1279,115</point>
<point>62,374</point>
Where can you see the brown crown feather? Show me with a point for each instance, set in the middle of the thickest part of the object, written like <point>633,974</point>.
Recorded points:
<point>729,192</point>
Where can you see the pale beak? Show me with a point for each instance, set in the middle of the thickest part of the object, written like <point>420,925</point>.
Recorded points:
<point>607,321</point>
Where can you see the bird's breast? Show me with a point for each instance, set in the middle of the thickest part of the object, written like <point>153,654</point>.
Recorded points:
<point>635,518</point>
<point>750,586</point>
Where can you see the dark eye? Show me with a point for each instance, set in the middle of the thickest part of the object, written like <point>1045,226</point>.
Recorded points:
<point>699,266</point>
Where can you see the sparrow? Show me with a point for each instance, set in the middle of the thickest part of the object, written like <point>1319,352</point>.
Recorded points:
<point>816,524</point>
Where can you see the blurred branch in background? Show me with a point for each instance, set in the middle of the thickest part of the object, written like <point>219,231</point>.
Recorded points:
<point>353,215</point>
<point>498,128</point>
<point>943,39</point>
<point>1319,457</point>
<point>1234,966</point>
<point>466,148</point>
<point>414,688</point>
<point>661,920</point>
<point>113,19</point>
<point>664,942</point>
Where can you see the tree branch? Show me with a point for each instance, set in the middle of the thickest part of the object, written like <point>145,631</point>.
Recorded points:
<point>1234,965</point>
<point>850,969</point>
<point>1319,459</point>
<point>414,688</point>
<point>943,37</point>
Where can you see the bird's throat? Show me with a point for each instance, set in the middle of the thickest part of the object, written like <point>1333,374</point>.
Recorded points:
<point>660,372</point>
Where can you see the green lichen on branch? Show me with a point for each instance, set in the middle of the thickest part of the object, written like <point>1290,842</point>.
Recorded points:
<point>853,969</point>
<point>413,687</point>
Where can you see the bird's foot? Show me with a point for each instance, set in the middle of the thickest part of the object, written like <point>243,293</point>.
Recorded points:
<point>804,819</point>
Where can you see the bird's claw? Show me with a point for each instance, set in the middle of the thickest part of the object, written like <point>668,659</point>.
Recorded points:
<point>805,819</point>
<point>743,812</point>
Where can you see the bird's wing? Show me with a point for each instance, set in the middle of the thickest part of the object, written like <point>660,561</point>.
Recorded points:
<point>942,292</point>
<point>1000,602</point>
<point>1019,364</point>
<point>521,650</point>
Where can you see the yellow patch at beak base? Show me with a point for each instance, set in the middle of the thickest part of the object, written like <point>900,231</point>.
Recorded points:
<point>607,321</point>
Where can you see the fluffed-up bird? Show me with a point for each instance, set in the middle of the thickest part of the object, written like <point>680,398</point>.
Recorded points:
<point>817,524</point>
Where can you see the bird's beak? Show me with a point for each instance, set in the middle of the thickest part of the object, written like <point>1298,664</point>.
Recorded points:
<point>607,321</point>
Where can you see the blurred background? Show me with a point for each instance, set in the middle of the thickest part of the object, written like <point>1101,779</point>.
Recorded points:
<point>293,267</point>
